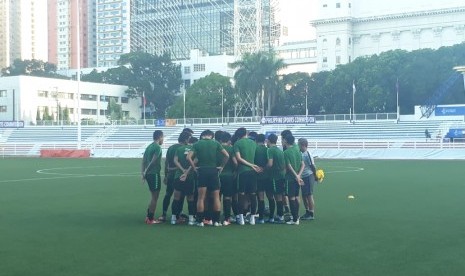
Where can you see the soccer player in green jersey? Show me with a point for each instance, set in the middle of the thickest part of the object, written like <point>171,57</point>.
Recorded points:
<point>184,183</point>
<point>150,170</point>
<point>264,183</point>
<point>170,169</point>
<point>277,166</point>
<point>244,150</point>
<point>206,151</point>
<point>295,166</point>
<point>228,187</point>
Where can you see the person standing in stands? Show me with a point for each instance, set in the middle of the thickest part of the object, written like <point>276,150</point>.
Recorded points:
<point>150,172</point>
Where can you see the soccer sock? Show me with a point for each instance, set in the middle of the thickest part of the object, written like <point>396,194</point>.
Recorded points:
<point>234,207</point>
<point>294,209</point>
<point>216,216</point>
<point>261,208</point>
<point>272,204</point>
<point>286,207</point>
<point>200,216</point>
<point>226,208</point>
<point>181,204</point>
<point>175,207</point>
<point>253,204</point>
<point>166,203</point>
<point>279,209</point>
<point>191,207</point>
<point>150,215</point>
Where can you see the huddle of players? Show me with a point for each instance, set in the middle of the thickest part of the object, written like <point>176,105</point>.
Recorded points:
<point>237,168</point>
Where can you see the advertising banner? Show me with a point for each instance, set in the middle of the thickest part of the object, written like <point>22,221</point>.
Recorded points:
<point>288,120</point>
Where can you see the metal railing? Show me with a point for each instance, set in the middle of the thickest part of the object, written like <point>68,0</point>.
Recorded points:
<point>219,120</point>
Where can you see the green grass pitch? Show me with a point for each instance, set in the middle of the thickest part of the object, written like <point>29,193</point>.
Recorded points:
<point>85,217</point>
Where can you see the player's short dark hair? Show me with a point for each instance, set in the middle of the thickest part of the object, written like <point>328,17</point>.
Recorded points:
<point>286,132</point>
<point>193,140</point>
<point>234,139</point>
<point>253,135</point>
<point>188,130</point>
<point>157,134</point>
<point>260,138</point>
<point>225,137</point>
<point>184,137</point>
<point>240,132</point>
<point>290,139</point>
<point>302,142</point>
<point>273,138</point>
<point>207,133</point>
<point>218,135</point>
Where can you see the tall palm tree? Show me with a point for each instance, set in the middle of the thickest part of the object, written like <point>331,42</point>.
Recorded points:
<point>257,74</point>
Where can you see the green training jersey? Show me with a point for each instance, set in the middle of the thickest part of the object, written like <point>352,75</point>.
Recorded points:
<point>153,149</point>
<point>261,159</point>
<point>206,151</point>
<point>278,170</point>
<point>292,156</point>
<point>170,153</point>
<point>246,148</point>
<point>182,153</point>
<point>229,167</point>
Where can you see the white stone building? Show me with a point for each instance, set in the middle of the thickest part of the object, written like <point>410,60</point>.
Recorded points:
<point>347,29</point>
<point>22,96</point>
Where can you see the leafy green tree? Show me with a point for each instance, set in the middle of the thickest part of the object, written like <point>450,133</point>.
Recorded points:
<point>38,118</point>
<point>66,114</point>
<point>156,77</point>
<point>292,101</point>
<point>203,98</point>
<point>257,73</point>
<point>114,110</point>
<point>46,116</point>
<point>33,67</point>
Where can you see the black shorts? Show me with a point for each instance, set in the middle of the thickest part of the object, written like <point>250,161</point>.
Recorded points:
<point>154,181</point>
<point>307,188</point>
<point>247,182</point>
<point>208,177</point>
<point>265,185</point>
<point>186,187</point>
<point>228,187</point>
<point>278,186</point>
<point>293,188</point>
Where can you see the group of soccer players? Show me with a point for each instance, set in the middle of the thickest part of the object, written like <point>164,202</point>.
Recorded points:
<point>237,170</point>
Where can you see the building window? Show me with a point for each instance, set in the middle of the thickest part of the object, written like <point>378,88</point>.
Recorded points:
<point>2,93</point>
<point>187,70</point>
<point>88,97</point>
<point>338,59</point>
<point>124,100</point>
<point>350,41</point>
<point>350,5</point>
<point>2,108</point>
<point>199,67</point>
<point>187,83</point>
<point>338,5</point>
<point>325,59</point>
<point>42,94</point>
<point>338,41</point>
<point>86,111</point>
<point>325,5</point>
